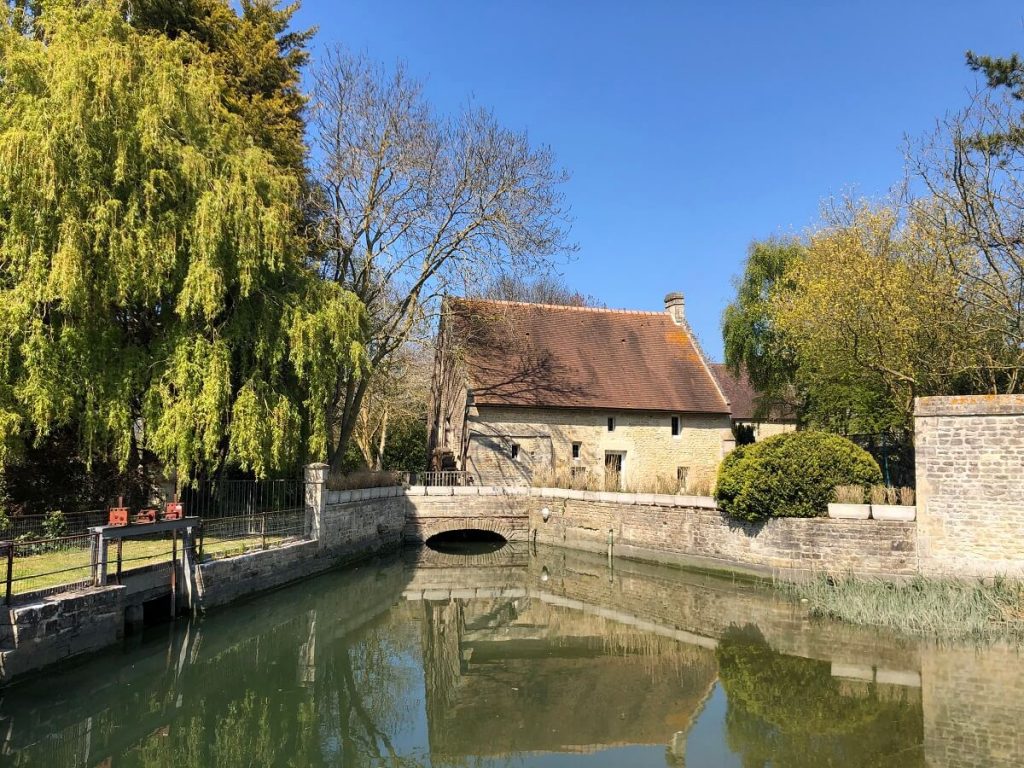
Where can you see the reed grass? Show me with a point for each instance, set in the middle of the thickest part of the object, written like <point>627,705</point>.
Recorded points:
<point>849,494</point>
<point>363,479</point>
<point>938,608</point>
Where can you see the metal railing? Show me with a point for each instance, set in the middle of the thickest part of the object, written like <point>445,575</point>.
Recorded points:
<point>74,523</point>
<point>227,536</point>
<point>233,498</point>
<point>450,477</point>
<point>237,516</point>
<point>48,566</point>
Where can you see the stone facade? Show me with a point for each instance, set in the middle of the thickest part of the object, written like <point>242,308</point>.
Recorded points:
<point>545,438</point>
<point>970,485</point>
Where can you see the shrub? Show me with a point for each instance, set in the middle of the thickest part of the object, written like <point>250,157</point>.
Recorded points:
<point>791,475</point>
<point>55,524</point>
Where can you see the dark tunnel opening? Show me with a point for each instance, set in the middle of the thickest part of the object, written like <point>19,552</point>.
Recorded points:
<point>466,541</point>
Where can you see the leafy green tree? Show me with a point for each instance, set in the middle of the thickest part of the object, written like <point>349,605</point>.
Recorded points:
<point>753,341</point>
<point>153,292</point>
<point>259,56</point>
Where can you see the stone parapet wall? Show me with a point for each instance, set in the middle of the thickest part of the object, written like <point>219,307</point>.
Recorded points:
<point>700,535</point>
<point>685,530</point>
<point>970,485</point>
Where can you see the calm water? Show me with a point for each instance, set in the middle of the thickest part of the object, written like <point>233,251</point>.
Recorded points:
<point>523,658</point>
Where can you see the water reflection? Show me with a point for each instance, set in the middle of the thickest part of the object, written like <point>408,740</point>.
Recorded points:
<point>542,658</point>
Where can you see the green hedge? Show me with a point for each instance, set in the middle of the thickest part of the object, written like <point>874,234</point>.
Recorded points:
<point>791,475</point>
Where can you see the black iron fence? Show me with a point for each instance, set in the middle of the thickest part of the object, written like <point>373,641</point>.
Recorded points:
<point>437,478</point>
<point>227,536</point>
<point>234,498</point>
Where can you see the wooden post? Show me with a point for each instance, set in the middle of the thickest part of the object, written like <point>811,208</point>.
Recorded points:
<point>120,549</point>
<point>263,530</point>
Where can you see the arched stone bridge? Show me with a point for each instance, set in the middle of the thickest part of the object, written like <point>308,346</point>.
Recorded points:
<point>477,509</point>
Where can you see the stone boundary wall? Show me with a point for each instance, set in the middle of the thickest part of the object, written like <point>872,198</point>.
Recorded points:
<point>682,530</point>
<point>348,530</point>
<point>692,531</point>
<point>970,485</point>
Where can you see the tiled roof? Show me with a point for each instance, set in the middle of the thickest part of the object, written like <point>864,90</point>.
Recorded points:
<point>743,397</point>
<point>541,355</point>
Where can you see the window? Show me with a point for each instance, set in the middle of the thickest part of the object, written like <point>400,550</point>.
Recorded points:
<point>515,450</point>
<point>675,426</point>
<point>611,423</point>
<point>576,450</point>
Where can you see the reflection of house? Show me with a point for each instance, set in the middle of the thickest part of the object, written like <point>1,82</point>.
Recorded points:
<point>507,677</point>
<point>748,410</point>
<point>626,397</point>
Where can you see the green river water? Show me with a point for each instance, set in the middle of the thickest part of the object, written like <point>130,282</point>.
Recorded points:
<point>519,657</point>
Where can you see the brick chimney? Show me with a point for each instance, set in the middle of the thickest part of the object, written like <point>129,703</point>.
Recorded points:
<point>675,307</point>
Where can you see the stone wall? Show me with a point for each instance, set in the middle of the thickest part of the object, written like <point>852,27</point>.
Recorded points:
<point>60,627</point>
<point>430,511</point>
<point>686,530</point>
<point>347,529</point>
<point>970,485</point>
<point>545,439</point>
<point>690,530</point>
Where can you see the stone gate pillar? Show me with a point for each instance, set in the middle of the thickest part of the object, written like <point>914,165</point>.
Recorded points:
<point>316,499</point>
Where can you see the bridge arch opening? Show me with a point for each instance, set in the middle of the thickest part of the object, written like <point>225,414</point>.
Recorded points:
<point>466,541</point>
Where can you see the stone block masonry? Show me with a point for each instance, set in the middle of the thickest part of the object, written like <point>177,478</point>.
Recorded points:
<point>970,485</point>
<point>691,531</point>
<point>60,627</point>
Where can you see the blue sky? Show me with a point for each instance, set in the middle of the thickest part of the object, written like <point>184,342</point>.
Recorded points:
<point>691,128</point>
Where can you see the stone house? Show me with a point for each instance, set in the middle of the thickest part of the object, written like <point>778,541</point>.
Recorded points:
<point>623,397</point>
<point>748,410</point>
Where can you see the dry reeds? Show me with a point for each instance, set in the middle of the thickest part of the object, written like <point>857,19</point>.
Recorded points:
<point>363,478</point>
<point>849,494</point>
<point>889,495</point>
<point>581,479</point>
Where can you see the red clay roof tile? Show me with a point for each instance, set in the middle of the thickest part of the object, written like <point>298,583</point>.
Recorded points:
<point>540,355</point>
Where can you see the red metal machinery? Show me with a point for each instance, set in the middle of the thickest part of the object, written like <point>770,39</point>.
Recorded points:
<point>145,516</point>
<point>118,515</point>
<point>173,510</point>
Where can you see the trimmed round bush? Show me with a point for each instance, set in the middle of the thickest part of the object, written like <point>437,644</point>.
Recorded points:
<point>791,475</point>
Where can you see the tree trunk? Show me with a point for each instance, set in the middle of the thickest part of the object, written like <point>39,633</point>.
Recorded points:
<point>378,463</point>
<point>349,415</point>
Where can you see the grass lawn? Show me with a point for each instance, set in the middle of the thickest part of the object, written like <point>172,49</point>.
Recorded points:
<point>69,566</point>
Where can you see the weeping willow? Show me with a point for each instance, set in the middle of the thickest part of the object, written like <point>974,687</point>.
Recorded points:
<point>153,293</point>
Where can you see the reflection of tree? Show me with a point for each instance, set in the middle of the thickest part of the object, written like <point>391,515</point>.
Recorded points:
<point>362,696</point>
<point>268,711</point>
<point>791,712</point>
